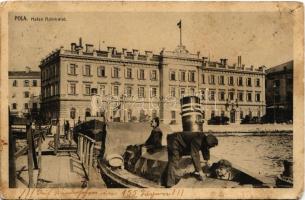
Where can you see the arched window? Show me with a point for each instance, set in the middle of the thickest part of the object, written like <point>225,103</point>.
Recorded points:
<point>88,112</point>
<point>72,113</point>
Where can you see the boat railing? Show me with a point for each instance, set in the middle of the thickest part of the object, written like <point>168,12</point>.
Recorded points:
<point>85,150</point>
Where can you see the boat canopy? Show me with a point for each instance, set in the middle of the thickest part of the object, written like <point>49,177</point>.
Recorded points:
<point>121,135</point>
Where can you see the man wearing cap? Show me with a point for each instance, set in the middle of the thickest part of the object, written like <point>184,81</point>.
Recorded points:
<point>187,143</point>
<point>153,142</point>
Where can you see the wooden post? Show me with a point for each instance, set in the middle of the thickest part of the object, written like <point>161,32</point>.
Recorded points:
<point>58,134</point>
<point>30,154</point>
<point>55,143</point>
<point>88,153</point>
<point>39,154</point>
<point>85,153</point>
<point>91,157</point>
<point>81,148</point>
<point>12,159</point>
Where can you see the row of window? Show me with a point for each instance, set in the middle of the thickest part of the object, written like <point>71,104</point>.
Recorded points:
<point>25,106</point>
<point>210,95</point>
<point>115,90</point>
<point>213,114</point>
<point>142,114</point>
<point>26,83</point>
<point>51,90</point>
<point>191,76</point>
<point>50,72</point>
<point>230,80</point>
<point>115,72</point>
<point>212,79</point>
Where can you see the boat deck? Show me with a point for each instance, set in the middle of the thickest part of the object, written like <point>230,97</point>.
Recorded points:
<point>63,170</point>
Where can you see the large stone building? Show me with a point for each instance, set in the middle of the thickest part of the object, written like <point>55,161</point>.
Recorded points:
<point>24,92</point>
<point>279,92</point>
<point>138,86</point>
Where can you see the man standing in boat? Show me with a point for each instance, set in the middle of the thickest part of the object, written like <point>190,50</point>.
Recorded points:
<point>154,140</point>
<point>188,142</point>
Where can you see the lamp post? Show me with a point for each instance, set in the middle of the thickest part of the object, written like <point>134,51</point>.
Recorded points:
<point>274,87</point>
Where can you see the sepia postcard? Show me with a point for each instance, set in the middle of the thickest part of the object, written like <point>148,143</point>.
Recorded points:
<point>152,100</point>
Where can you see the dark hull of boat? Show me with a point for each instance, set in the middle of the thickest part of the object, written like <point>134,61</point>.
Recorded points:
<point>111,183</point>
<point>123,179</point>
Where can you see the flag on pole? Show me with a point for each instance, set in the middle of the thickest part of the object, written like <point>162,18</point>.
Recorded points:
<point>179,24</point>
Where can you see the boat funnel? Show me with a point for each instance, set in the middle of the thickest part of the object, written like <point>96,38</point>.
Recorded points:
<point>191,114</point>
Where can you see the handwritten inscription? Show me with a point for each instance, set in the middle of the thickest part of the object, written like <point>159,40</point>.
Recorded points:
<point>106,193</point>
<point>152,194</point>
<point>39,19</point>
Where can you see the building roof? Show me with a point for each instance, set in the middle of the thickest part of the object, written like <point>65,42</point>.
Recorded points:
<point>24,74</point>
<point>288,66</point>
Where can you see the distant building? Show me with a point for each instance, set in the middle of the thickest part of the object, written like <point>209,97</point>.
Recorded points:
<point>24,92</point>
<point>136,87</point>
<point>279,92</point>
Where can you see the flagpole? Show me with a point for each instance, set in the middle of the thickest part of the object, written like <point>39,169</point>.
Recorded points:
<point>181,34</point>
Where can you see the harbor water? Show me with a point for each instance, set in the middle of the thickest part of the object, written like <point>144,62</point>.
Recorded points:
<point>262,155</point>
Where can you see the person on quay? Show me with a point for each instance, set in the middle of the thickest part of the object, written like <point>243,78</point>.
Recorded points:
<point>103,135</point>
<point>67,128</point>
<point>154,141</point>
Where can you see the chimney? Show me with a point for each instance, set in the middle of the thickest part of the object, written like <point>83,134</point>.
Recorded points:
<point>135,52</point>
<point>73,46</point>
<point>239,61</point>
<point>80,42</point>
<point>204,59</point>
<point>89,48</point>
<point>221,61</point>
<point>225,62</point>
<point>28,69</point>
<point>148,54</point>
<point>124,51</point>
<point>110,51</point>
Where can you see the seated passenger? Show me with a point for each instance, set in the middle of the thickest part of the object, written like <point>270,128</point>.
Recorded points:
<point>154,140</point>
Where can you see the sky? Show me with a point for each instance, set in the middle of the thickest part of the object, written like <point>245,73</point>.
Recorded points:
<point>264,38</point>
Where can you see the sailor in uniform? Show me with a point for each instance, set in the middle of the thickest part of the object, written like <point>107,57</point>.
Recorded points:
<point>153,142</point>
<point>188,142</point>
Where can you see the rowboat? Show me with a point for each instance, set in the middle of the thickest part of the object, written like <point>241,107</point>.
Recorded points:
<point>146,171</point>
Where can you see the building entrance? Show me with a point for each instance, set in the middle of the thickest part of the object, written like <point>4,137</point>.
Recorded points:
<point>232,116</point>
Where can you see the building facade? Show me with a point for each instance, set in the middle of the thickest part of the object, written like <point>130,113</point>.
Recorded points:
<point>135,87</point>
<point>24,92</point>
<point>279,92</point>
